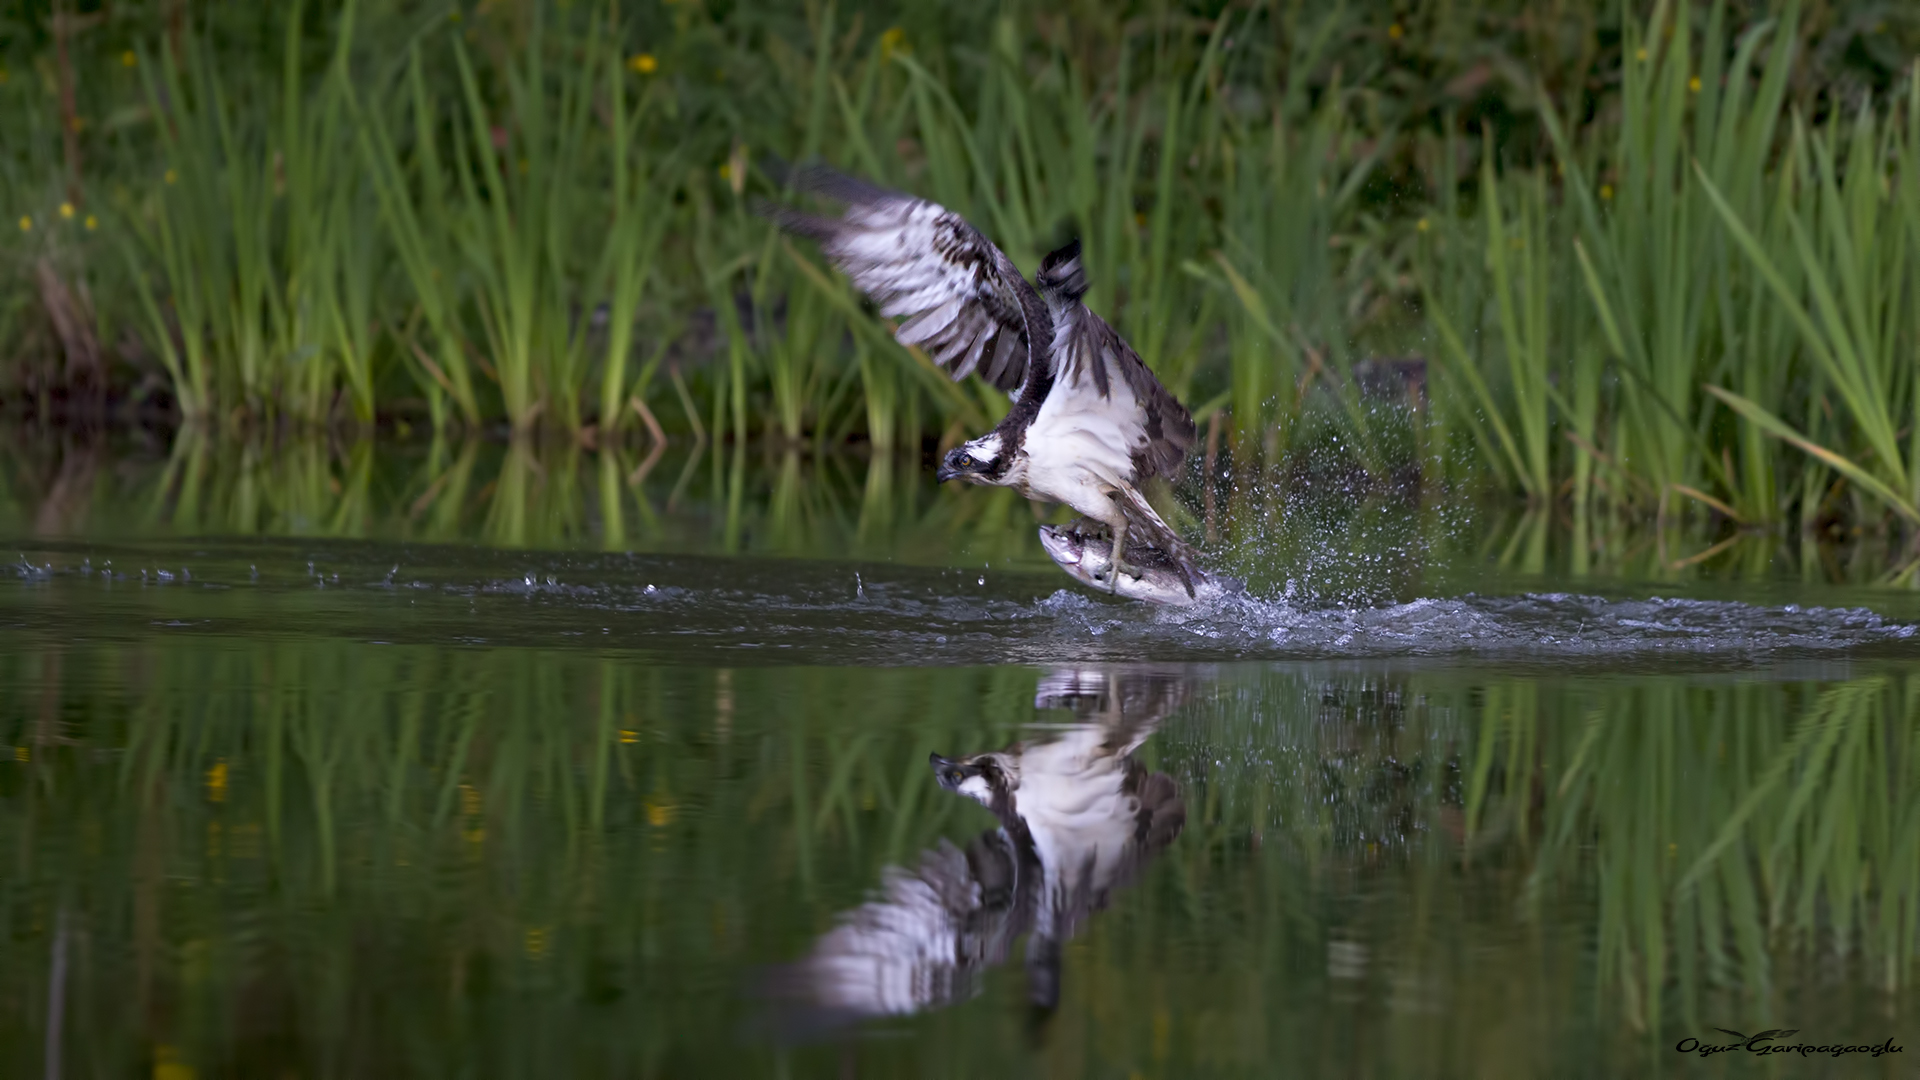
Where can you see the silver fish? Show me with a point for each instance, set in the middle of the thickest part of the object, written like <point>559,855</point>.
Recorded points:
<point>1089,559</point>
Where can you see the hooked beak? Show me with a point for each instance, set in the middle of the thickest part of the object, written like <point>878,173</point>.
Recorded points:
<point>953,464</point>
<point>948,772</point>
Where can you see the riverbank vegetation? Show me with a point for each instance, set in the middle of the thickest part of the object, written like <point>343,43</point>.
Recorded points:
<point>1631,261</point>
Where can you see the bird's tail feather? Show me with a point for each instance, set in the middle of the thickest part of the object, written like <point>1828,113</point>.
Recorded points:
<point>1141,515</point>
<point>1145,523</point>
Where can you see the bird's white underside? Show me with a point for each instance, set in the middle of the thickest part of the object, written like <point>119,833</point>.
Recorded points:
<point>1080,448</point>
<point>977,789</point>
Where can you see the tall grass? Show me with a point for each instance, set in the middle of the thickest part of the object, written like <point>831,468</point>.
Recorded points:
<point>1688,295</point>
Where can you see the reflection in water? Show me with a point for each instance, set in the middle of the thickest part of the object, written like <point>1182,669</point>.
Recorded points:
<point>1283,535</point>
<point>306,853</point>
<point>1079,817</point>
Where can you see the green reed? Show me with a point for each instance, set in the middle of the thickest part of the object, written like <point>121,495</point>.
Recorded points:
<point>1688,296</point>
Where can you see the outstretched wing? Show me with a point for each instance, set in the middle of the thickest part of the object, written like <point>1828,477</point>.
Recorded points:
<point>924,941</point>
<point>1091,360</point>
<point>971,310</point>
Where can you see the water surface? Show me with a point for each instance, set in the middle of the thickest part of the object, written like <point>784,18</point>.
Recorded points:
<point>417,799</point>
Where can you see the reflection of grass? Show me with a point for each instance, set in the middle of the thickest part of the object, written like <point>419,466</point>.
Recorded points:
<point>1722,825</point>
<point>520,494</point>
<point>416,838</point>
<point>1305,528</point>
<point>537,820</point>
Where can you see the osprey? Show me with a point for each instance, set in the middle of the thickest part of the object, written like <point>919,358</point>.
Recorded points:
<point>1089,421</point>
<point>1079,818</point>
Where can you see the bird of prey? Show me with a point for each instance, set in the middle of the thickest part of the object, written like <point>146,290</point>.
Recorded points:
<point>1089,422</point>
<point>1079,819</point>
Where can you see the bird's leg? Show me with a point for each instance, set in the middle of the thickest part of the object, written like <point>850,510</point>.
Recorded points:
<point>1120,564</point>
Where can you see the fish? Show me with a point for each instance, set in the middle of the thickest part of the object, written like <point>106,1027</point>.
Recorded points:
<point>1088,558</point>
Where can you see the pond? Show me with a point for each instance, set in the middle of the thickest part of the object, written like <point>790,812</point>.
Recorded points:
<point>359,760</point>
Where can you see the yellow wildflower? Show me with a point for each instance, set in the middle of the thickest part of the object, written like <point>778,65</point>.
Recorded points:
<point>171,177</point>
<point>1640,55</point>
<point>894,42</point>
<point>127,59</point>
<point>1395,31</point>
<point>628,736</point>
<point>92,223</point>
<point>21,753</point>
<point>66,210</point>
<point>660,814</point>
<point>1693,84</point>
<point>1606,191</point>
<point>642,64</point>
<point>536,944</point>
<point>217,781</point>
<point>1422,225</point>
<point>26,225</point>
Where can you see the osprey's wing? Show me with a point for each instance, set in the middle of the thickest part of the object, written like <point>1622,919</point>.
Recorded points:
<point>924,941</point>
<point>971,310</point>
<point>1090,359</point>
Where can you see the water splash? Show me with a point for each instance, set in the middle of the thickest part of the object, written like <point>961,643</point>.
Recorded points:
<point>727,610</point>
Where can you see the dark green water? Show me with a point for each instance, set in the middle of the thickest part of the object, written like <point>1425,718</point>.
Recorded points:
<point>387,788</point>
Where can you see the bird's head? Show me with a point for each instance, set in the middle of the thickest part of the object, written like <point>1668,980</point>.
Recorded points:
<point>979,461</point>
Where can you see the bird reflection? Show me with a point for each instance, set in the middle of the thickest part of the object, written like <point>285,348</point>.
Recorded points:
<point>1078,819</point>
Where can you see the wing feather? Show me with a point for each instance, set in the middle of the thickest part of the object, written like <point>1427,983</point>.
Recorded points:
<point>917,258</point>
<point>928,324</point>
<point>1090,358</point>
<point>971,360</point>
<point>1008,357</point>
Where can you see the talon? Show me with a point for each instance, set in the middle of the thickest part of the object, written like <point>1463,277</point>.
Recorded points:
<point>1113,575</point>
